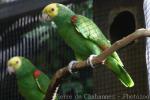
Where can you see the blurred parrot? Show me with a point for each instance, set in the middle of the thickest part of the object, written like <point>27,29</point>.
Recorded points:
<point>85,38</point>
<point>32,83</point>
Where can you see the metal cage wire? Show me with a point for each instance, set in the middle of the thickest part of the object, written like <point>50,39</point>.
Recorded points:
<point>23,35</point>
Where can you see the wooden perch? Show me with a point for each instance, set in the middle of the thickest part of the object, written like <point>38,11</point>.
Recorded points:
<point>63,72</point>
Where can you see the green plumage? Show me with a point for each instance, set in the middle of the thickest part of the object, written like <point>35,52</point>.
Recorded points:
<point>90,31</point>
<point>85,38</point>
<point>28,85</point>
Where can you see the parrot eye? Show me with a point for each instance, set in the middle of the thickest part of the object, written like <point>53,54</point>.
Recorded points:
<point>17,62</point>
<point>52,9</point>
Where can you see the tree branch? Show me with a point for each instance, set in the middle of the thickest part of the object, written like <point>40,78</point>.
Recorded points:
<point>63,72</point>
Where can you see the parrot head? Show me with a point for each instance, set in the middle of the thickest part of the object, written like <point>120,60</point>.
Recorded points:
<point>55,11</point>
<point>14,64</point>
<point>19,65</point>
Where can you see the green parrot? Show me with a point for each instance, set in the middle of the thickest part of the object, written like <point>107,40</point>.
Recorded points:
<point>32,83</point>
<point>85,38</point>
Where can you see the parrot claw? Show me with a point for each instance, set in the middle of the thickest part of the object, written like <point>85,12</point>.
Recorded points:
<point>103,62</point>
<point>89,60</point>
<point>70,66</point>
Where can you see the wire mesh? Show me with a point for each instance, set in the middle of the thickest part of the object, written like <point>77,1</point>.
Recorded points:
<point>23,35</point>
<point>132,56</point>
<point>6,1</point>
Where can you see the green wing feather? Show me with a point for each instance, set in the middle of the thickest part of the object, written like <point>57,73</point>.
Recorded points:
<point>43,82</point>
<point>89,30</point>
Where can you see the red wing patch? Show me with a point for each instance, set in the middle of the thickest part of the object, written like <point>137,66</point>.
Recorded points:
<point>74,19</point>
<point>37,73</point>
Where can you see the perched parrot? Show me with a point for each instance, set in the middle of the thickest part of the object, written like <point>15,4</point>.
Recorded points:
<point>85,38</point>
<point>32,83</point>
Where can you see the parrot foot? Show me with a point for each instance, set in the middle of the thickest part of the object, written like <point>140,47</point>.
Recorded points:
<point>103,62</point>
<point>89,60</point>
<point>70,66</point>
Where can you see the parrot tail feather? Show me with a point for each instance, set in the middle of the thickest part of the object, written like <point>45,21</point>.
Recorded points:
<point>125,78</point>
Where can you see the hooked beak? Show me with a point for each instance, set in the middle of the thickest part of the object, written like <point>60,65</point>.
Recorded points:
<point>10,70</point>
<point>45,17</point>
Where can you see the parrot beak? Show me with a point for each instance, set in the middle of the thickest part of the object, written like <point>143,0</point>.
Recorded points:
<point>10,70</point>
<point>45,17</point>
